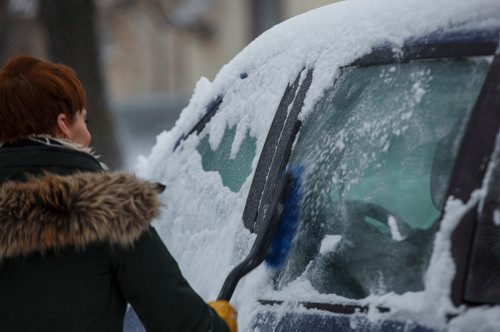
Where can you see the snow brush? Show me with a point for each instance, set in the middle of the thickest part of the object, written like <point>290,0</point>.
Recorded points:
<point>278,230</point>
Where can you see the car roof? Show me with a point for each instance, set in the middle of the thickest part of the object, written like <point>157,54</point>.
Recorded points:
<point>328,38</point>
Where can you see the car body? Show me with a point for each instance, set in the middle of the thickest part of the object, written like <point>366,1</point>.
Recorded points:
<point>392,110</point>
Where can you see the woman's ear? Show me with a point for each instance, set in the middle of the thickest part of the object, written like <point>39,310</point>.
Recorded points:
<point>62,128</point>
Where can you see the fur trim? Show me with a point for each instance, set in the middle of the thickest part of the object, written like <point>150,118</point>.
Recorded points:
<point>53,212</point>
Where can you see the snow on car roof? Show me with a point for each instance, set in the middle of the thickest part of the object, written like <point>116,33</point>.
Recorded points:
<point>209,240</point>
<point>326,38</point>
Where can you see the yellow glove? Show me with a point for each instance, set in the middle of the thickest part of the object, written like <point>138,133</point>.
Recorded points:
<point>226,312</point>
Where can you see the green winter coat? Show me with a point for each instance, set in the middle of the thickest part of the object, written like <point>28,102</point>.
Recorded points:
<point>76,246</point>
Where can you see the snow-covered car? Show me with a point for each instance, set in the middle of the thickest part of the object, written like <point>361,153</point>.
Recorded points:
<point>392,108</point>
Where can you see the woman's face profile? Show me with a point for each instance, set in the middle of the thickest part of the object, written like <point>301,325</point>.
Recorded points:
<point>76,130</point>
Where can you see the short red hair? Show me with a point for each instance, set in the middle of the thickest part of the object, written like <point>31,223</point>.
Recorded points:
<point>33,93</point>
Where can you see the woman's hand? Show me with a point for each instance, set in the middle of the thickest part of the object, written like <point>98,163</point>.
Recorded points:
<point>226,312</point>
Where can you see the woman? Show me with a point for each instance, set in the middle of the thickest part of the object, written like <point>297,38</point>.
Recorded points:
<point>76,244</point>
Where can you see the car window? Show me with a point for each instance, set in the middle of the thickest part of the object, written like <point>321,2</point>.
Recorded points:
<point>233,169</point>
<point>378,151</point>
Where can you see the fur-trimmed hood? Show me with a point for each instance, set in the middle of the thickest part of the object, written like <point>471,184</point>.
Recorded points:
<point>54,212</point>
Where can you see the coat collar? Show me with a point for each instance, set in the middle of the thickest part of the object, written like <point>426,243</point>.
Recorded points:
<point>54,142</point>
<point>53,212</point>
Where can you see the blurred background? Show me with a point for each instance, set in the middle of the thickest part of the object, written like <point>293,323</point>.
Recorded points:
<point>137,59</point>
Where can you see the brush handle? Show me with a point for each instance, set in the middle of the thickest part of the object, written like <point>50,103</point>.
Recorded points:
<point>263,241</point>
<point>235,276</point>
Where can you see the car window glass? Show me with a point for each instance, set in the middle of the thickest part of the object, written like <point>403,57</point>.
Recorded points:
<point>233,170</point>
<point>378,152</point>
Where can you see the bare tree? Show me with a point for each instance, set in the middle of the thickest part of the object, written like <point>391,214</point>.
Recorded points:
<point>4,31</point>
<point>264,14</point>
<point>72,36</point>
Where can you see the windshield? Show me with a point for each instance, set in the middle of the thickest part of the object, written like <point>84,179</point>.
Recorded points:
<point>378,152</point>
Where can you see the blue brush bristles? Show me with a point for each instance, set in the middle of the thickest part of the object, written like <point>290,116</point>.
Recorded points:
<point>288,223</point>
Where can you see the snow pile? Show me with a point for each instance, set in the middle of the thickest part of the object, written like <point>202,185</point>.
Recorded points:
<point>395,233</point>
<point>201,222</point>
<point>329,244</point>
<point>496,217</point>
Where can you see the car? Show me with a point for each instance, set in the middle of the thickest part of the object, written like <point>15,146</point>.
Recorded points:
<point>391,108</point>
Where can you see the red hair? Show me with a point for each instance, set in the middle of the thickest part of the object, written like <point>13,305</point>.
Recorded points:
<point>33,93</point>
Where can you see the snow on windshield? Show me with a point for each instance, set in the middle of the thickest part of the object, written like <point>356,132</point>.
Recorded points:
<point>201,221</point>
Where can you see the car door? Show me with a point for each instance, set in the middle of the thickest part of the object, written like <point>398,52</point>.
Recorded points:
<point>391,140</point>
